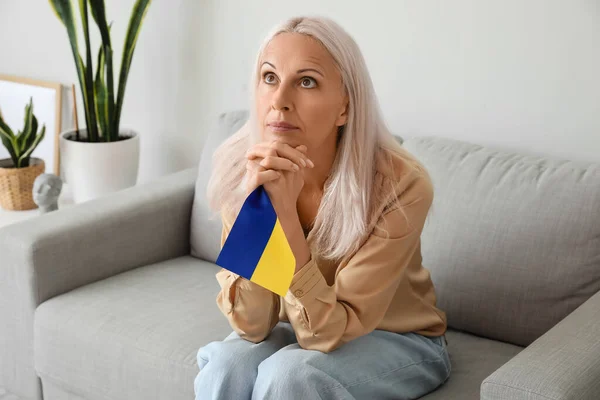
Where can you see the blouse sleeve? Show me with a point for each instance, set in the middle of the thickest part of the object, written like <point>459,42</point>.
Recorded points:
<point>252,311</point>
<point>324,317</point>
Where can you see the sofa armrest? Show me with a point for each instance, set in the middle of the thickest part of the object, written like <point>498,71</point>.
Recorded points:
<point>72,247</point>
<point>563,364</point>
<point>51,254</point>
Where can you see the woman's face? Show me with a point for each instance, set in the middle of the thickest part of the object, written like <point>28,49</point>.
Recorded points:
<point>300,95</point>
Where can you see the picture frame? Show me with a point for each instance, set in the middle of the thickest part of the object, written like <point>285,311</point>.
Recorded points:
<point>47,98</point>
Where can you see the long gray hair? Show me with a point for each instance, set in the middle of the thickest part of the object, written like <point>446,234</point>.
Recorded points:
<point>347,207</point>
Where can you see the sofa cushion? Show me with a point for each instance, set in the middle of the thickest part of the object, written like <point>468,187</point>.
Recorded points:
<point>205,227</point>
<point>472,359</point>
<point>136,335</point>
<point>132,336</point>
<point>512,240</point>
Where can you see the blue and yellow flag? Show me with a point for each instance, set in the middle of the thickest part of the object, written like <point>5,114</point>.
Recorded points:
<point>257,248</point>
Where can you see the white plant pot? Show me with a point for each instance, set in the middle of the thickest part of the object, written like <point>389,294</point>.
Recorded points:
<point>94,170</point>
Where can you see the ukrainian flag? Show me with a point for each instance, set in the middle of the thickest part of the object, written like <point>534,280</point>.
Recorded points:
<point>257,248</point>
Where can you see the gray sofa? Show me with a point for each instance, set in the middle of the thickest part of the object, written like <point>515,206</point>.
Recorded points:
<point>108,300</point>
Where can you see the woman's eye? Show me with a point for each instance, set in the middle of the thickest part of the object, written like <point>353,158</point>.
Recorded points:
<point>269,78</point>
<point>308,83</point>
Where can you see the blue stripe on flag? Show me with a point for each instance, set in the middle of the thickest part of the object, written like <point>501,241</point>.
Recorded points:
<point>249,235</point>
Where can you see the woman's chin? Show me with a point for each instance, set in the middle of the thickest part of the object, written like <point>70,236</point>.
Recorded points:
<point>291,137</point>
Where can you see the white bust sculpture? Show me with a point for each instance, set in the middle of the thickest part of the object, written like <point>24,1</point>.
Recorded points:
<point>46,190</point>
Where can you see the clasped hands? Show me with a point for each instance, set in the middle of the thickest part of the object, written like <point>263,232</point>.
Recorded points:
<point>279,167</point>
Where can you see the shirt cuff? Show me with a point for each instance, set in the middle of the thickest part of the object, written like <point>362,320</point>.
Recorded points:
<point>227,276</point>
<point>305,283</point>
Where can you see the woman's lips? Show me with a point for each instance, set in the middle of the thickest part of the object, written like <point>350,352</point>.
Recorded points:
<point>281,126</point>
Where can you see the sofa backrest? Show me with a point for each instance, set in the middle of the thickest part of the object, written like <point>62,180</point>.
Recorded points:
<point>205,227</point>
<point>512,240</point>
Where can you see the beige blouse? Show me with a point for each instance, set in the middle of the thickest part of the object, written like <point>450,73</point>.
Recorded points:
<point>383,285</point>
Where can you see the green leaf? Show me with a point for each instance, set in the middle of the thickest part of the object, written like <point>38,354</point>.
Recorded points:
<point>84,16</point>
<point>25,139</point>
<point>102,108</point>
<point>28,140</point>
<point>64,11</point>
<point>4,127</point>
<point>100,63</point>
<point>110,96</point>
<point>19,140</point>
<point>27,127</point>
<point>138,13</point>
<point>101,98</point>
<point>8,142</point>
<point>105,88</point>
<point>84,92</point>
<point>25,156</point>
<point>99,14</point>
<point>89,71</point>
<point>28,117</point>
<point>5,135</point>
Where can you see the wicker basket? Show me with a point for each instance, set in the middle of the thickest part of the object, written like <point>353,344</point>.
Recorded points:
<point>16,184</point>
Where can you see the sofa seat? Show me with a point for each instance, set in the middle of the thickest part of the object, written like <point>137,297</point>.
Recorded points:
<point>135,336</point>
<point>131,336</point>
<point>473,359</point>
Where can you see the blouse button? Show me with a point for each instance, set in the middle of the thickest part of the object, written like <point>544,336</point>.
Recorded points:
<point>299,292</point>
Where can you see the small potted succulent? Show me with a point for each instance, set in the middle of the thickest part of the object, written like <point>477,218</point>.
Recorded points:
<point>18,173</point>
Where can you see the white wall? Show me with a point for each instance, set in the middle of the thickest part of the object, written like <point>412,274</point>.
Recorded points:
<point>163,101</point>
<point>513,73</point>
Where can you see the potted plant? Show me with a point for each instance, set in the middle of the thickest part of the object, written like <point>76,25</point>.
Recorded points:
<point>18,173</point>
<point>103,157</point>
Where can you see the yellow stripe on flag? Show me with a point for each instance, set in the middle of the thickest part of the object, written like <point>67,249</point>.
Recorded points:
<point>276,266</point>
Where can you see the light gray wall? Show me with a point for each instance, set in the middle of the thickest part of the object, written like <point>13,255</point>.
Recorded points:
<point>513,73</point>
<point>522,74</point>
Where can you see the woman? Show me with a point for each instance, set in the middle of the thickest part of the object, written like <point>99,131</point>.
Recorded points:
<point>359,320</point>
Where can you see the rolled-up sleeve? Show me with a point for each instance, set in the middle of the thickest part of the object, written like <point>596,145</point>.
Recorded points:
<point>252,311</point>
<point>324,317</point>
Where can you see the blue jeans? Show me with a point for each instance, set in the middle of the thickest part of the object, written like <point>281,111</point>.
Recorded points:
<point>380,365</point>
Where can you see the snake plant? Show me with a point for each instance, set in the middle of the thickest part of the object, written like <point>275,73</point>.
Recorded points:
<point>102,110</point>
<point>21,145</point>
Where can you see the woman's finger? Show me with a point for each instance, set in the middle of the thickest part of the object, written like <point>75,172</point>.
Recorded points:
<point>260,150</point>
<point>302,148</point>
<point>293,153</point>
<point>260,178</point>
<point>278,149</point>
<point>267,176</point>
<point>254,165</point>
<point>271,162</point>
<point>278,163</point>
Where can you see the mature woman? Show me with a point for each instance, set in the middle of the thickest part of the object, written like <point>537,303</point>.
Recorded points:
<point>360,319</point>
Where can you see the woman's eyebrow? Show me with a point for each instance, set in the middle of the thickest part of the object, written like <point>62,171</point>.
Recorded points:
<point>300,71</point>
<point>266,62</point>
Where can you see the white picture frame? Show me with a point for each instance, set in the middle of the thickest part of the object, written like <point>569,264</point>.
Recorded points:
<point>47,98</point>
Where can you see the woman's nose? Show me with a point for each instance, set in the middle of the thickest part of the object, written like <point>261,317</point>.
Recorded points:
<point>282,100</point>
